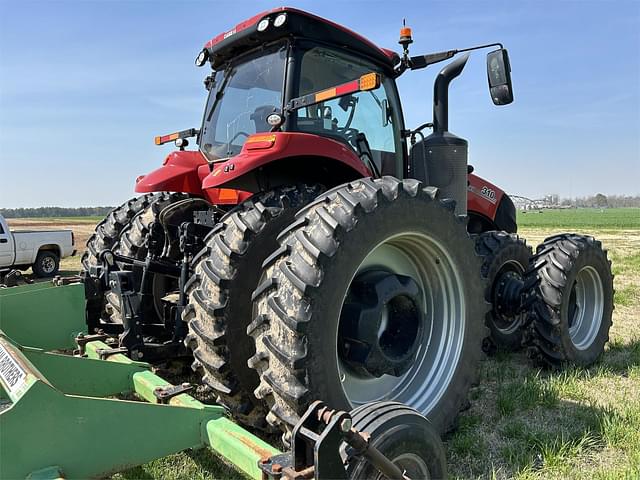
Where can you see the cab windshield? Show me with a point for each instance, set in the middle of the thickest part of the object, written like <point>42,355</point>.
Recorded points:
<point>240,101</point>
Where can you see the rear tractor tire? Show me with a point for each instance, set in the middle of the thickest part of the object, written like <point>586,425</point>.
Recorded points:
<point>132,242</point>
<point>226,272</point>
<point>573,303</point>
<point>107,234</point>
<point>371,296</point>
<point>505,261</point>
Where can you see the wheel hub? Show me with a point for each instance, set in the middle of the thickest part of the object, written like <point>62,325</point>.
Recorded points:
<point>381,324</point>
<point>507,296</point>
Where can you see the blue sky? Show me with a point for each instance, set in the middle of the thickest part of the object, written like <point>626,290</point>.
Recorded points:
<point>85,86</point>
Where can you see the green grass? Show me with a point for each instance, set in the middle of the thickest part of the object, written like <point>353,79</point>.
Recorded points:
<point>628,218</point>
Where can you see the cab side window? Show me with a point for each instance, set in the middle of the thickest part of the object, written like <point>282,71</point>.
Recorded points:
<point>349,118</point>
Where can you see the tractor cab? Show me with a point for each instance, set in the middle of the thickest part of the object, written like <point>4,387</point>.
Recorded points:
<point>290,71</point>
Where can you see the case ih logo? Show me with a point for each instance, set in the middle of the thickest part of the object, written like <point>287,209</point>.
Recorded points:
<point>229,33</point>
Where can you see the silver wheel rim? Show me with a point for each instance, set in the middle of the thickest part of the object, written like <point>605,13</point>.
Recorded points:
<point>423,385</point>
<point>587,311</point>
<point>48,264</point>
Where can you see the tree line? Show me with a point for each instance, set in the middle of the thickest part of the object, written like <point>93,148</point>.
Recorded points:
<point>603,201</point>
<point>55,212</point>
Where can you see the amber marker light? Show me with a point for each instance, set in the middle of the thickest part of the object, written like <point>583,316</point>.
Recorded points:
<point>257,142</point>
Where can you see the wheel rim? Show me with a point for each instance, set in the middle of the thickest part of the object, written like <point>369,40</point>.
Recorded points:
<point>412,465</point>
<point>426,261</point>
<point>505,322</point>
<point>586,306</point>
<point>48,264</point>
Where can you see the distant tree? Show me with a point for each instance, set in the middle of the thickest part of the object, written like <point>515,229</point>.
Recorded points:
<point>600,201</point>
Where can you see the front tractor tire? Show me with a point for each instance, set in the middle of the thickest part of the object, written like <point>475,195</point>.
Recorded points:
<point>373,295</point>
<point>505,260</point>
<point>226,272</point>
<point>573,306</point>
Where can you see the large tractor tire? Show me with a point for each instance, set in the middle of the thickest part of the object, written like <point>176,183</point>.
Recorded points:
<point>571,314</point>
<point>505,261</point>
<point>107,232</point>
<point>133,243</point>
<point>372,295</point>
<point>226,272</point>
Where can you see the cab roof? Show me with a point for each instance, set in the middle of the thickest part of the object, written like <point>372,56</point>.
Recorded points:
<point>300,24</point>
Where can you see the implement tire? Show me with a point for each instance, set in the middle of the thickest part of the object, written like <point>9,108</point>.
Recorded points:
<point>226,272</point>
<point>571,314</point>
<point>384,226</point>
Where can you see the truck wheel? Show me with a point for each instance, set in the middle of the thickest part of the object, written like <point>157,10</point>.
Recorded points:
<point>573,301</point>
<point>373,295</point>
<point>505,261</point>
<point>402,435</point>
<point>133,243</point>
<point>47,264</point>
<point>226,272</point>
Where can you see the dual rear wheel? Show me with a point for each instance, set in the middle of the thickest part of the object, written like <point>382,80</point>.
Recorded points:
<point>371,293</point>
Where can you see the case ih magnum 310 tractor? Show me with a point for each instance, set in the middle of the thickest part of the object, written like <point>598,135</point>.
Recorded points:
<point>313,247</point>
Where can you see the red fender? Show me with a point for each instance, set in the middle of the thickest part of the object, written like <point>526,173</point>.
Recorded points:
<point>263,148</point>
<point>483,197</point>
<point>182,171</point>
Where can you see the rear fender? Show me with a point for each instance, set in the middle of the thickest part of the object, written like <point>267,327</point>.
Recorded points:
<point>269,153</point>
<point>182,171</point>
<point>489,207</point>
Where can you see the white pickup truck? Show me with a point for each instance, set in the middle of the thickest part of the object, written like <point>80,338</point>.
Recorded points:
<point>41,250</point>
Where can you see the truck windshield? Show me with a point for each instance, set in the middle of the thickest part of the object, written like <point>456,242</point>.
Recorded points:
<point>240,101</point>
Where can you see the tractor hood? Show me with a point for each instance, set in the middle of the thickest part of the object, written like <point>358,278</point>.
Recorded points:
<point>267,148</point>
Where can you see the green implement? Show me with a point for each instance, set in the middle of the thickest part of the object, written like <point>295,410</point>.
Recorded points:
<point>56,409</point>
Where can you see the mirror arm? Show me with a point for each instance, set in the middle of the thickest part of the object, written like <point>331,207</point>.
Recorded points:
<point>422,61</point>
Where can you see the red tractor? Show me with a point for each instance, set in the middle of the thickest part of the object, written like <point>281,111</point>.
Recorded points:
<point>313,247</point>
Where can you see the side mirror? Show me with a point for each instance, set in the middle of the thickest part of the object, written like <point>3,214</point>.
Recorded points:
<point>499,73</point>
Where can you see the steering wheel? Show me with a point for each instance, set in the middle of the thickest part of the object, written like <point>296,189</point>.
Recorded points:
<point>350,134</point>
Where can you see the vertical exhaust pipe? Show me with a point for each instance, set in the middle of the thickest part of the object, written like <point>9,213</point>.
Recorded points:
<point>445,154</point>
<point>441,93</point>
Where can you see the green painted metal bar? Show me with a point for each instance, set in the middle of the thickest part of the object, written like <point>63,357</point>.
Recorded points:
<point>84,376</point>
<point>43,315</point>
<point>236,445</point>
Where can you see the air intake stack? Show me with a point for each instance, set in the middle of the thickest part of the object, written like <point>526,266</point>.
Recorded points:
<point>445,155</point>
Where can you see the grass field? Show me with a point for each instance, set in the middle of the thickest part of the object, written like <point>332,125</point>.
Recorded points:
<point>527,423</point>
